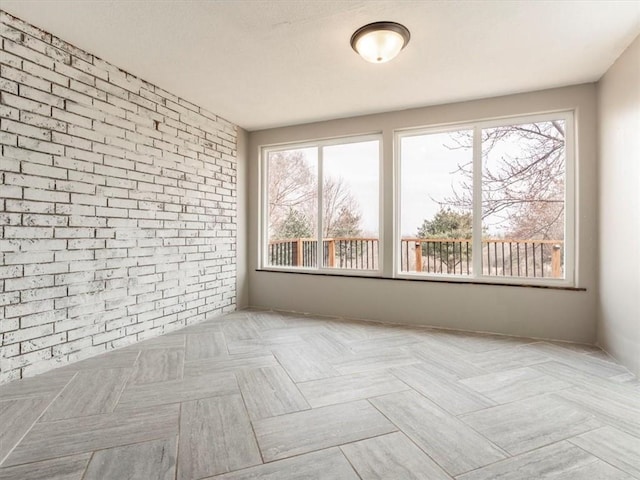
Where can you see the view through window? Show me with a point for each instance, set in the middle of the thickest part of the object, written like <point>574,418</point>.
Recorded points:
<point>485,200</point>
<point>328,195</point>
<point>488,200</point>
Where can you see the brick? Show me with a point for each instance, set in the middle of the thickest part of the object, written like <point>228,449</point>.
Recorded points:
<point>46,195</point>
<point>44,171</point>
<point>118,201</point>
<point>28,308</point>
<point>28,54</point>
<point>45,73</point>
<point>29,207</point>
<point>71,118</point>
<point>41,146</point>
<point>41,121</point>
<point>45,268</point>
<point>23,129</point>
<point>42,342</point>
<point>24,78</point>
<point>28,232</point>
<point>42,293</point>
<point>89,69</point>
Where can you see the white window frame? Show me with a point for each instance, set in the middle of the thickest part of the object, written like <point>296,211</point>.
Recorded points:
<point>265,150</point>
<point>569,197</point>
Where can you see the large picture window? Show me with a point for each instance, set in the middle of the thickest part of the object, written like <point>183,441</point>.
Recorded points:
<point>323,206</point>
<point>490,201</point>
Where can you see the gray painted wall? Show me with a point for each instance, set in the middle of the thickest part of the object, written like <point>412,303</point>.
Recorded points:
<point>242,200</point>
<point>619,226</point>
<point>546,313</point>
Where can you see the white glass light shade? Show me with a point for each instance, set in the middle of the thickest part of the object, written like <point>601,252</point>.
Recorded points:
<point>380,42</point>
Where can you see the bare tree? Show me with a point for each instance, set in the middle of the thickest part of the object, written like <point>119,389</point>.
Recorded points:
<point>341,212</point>
<point>293,187</point>
<point>292,184</point>
<point>522,187</point>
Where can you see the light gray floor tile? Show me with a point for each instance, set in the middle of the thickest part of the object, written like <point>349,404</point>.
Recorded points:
<point>148,460</point>
<point>370,360</point>
<point>349,330</point>
<point>16,418</point>
<point>163,341</point>
<point>205,345</point>
<point>267,320</point>
<point>91,392</point>
<point>291,333</point>
<point>303,432</point>
<point>383,343</point>
<point>577,360</point>
<point>560,460</point>
<point>445,359</point>
<point>452,444</point>
<point>514,385</point>
<point>612,407</point>
<point>197,378</point>
<point>204,327</point>
<point>328,345</point>
<point>582,379</point>
<point>626,378</point>
<point>121,358</point>
<point>39,386</point>
<point>613,446</point>
<point>574,346</point>
<point>532,423</point>
<point>444,391</point>
<point>303,364</point>
<point>230,365</point>
<point>392,456</point>
<point>269,391</point>
<point>347,388</point>
<point>325,464</point>
<point>85,434</point>
<point>240,330</point>
<point>189,388</point>
<point>65,468</point>
<point>471,342</point>
<point>506,359</point>
<point>159,365</point>
<point>215,437</point>
<point>250,347</point>
<point>598,470</point>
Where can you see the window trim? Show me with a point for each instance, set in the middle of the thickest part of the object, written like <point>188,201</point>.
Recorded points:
<point>265,150</point>
<point>570,197</point>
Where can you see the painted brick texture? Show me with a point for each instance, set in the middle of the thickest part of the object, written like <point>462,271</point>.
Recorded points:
<point>117,206</point>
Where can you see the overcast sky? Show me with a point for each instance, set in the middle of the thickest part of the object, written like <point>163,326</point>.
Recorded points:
<point>428,175</point>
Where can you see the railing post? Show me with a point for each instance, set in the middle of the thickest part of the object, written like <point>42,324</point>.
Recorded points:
<point>331,253</point>
<point>556,270</point>
<point>418,256</point>
<point>299,257</point>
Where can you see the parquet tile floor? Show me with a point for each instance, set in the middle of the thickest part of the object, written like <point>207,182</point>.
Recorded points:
<point>276,395</point>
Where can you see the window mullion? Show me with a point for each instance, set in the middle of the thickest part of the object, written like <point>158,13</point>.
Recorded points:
<point>477,202</point>
<point>320,219</point>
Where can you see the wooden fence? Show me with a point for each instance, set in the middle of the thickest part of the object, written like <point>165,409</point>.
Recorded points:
<point>500,257</point>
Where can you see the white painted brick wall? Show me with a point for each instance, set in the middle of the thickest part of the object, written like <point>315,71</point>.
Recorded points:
<point>117,206</point>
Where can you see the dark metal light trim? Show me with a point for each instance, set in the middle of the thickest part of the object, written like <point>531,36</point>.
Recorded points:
<point>376,26</point>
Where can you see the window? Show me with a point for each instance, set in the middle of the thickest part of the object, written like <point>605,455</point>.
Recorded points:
<point>491,201</point>
<point>322,204</point>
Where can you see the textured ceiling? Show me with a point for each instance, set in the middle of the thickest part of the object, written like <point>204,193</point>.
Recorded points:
<point>269,63</point>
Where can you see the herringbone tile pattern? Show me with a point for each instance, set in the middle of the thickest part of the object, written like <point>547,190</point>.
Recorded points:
<point>275,395</point>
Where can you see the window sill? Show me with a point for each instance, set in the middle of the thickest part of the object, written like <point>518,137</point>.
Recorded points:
<point>428,280</point>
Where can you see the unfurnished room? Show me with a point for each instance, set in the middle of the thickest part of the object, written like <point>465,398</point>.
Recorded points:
<point>330,240</point>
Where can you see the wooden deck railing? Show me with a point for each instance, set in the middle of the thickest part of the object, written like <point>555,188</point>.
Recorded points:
<point>500,257</point>
<point>353,253</point>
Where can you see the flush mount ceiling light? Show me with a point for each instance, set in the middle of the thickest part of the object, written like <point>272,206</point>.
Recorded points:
<point>380,42</point>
